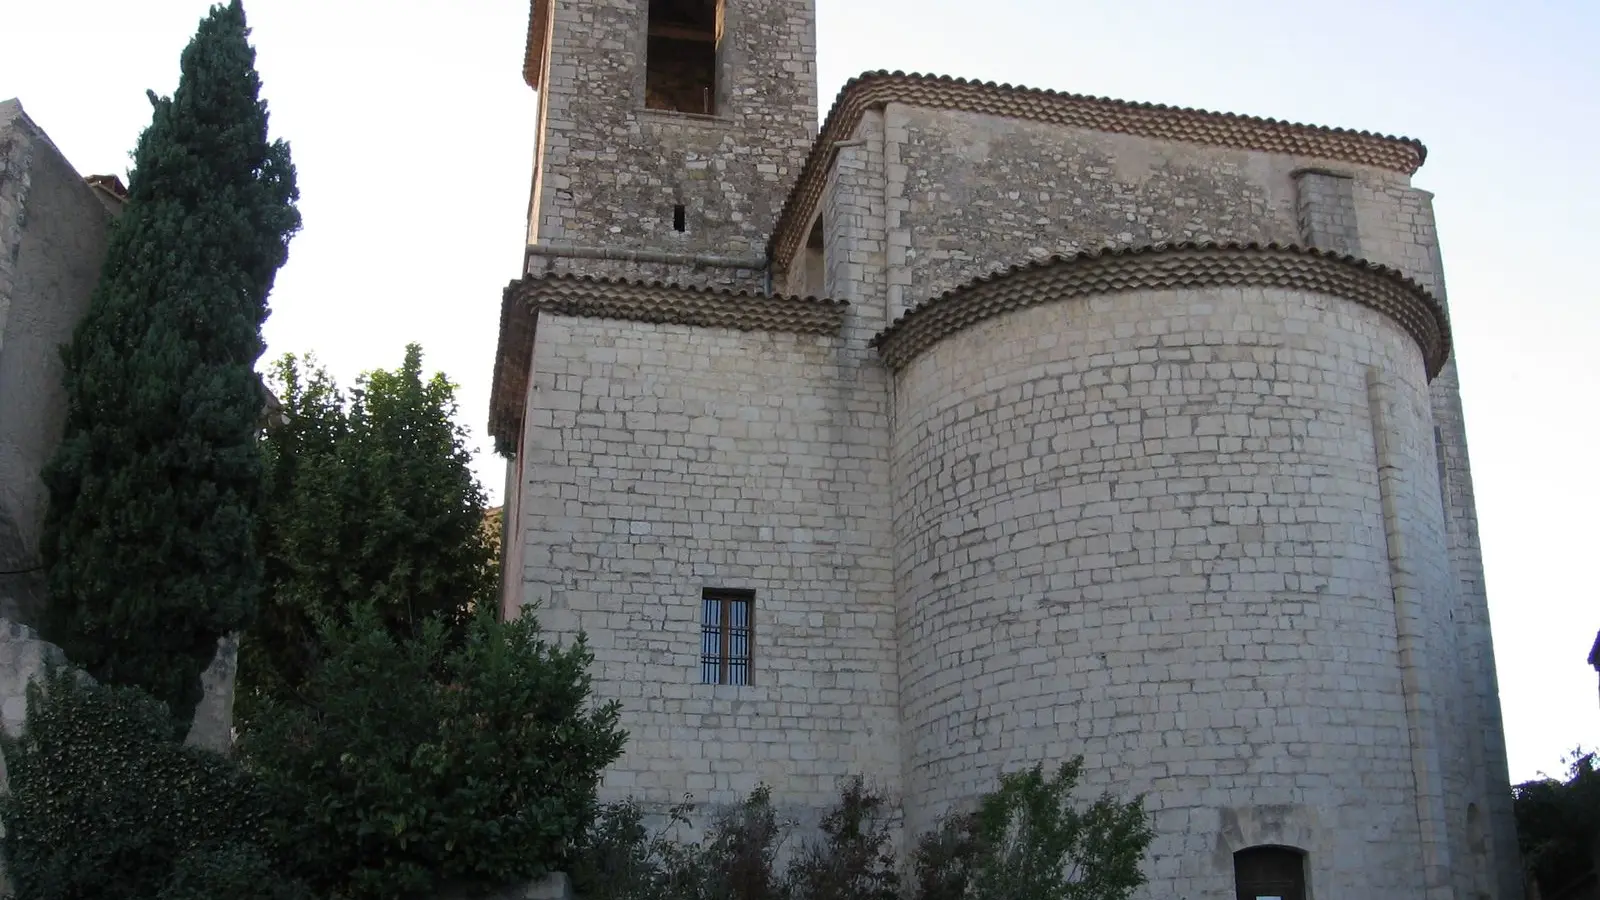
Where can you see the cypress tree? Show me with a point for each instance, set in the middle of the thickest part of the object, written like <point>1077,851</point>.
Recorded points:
<point>154,491</point>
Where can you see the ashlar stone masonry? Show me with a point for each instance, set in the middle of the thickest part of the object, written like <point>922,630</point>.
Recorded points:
<point>1120,430</point>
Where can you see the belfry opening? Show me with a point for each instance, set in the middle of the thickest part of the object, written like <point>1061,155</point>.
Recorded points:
<point>681,56</point>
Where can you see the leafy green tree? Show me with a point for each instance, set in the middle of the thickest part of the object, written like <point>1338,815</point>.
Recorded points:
<point>411,765</point>
<point>104,802</point>
<point>1558,823</point>
<point>150,534</point>
<point>370,499</point>
<point>310,522</point>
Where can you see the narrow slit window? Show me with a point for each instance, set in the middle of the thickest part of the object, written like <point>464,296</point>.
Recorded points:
<point>681,56</point>
<point>727,632</point>
<point>679,218</point>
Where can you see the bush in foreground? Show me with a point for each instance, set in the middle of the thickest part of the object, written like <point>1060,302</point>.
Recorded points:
<point>416,765</point>
<point>105,803</point>
<point>1026,841</point>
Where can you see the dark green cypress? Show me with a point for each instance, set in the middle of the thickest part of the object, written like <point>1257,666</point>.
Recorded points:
<point>154,492</point>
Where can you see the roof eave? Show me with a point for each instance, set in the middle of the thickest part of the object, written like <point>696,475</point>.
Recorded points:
<point>655,302</point>
<point>538,34</point>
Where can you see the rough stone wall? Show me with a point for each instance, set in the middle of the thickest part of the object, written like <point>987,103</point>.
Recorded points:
<point>1326,205</point>
<point>1148,528</point>
<point>53,233</point>
<point>982,193</point>
<point>688,274</point>
<point>610,172</point>
<point>854,219</point>
<point>660,460</point>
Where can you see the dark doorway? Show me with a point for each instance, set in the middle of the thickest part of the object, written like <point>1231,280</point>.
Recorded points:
<point>1270,873</point>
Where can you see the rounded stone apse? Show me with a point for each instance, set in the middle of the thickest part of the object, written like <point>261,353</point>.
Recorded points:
<point>1185,521</point>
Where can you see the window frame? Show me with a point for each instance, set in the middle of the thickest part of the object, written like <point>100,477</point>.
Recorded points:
<point>723,657</point>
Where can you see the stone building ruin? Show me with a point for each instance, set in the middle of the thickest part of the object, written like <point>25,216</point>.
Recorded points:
<point>987,426</point>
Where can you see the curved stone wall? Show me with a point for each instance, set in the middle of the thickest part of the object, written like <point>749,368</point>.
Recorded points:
<point>1150,526</point>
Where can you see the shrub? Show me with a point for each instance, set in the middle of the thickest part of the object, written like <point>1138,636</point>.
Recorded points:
<point>1026,841</point>
<point>736,860</point>
<point>230,870</point>
<point>420,764</point>
<point>618,859</point>
<point>942,863</point>
<point>1034,845</point>
<point>855,858</point>
<point>105,804</point>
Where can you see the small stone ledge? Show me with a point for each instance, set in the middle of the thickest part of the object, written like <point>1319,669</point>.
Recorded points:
<point>1171,267</point>
<point>584,296</point>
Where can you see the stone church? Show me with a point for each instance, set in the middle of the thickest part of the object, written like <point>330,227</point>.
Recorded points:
<point>985,426</point>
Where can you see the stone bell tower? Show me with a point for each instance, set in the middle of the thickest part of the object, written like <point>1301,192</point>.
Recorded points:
<point>670,132</point>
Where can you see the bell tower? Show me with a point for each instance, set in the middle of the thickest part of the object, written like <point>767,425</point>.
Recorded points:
<point>669,131</point>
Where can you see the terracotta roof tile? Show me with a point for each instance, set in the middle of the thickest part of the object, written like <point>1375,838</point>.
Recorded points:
<point>1159,266</point>
<point>533,56</point>
<point>877,89</point>
<point>111,184</point>
<point>637,301</point>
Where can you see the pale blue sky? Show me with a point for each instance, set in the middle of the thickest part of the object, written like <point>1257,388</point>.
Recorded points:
<point>413,134</point>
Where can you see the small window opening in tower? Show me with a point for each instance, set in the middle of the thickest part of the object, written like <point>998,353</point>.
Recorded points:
<point>681,56</point>
<point>679,218</point>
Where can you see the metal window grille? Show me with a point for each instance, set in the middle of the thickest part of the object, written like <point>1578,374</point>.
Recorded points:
<point>727,632</point>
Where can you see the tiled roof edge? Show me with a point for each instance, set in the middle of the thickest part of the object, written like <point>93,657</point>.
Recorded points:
<point>876,89</point>
<point>111,184</point>
<point>1171,266</point>
<point>586,296</point>
<point>533,56</point>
